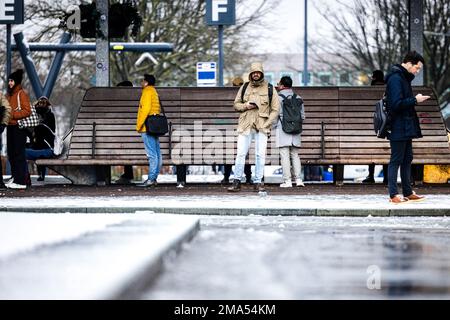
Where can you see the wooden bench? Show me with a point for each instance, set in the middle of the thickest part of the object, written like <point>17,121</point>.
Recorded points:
<point>337,131</point>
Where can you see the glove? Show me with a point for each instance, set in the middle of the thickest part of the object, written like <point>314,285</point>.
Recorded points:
<point>2,127</point>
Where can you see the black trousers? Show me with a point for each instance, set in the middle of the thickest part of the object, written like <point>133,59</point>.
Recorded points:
<point>401,156</point>
<point>181,173</point>
<point>247,171</point>
<point>16,139</point>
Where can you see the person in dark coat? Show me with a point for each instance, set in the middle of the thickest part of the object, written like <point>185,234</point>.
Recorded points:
<point>404,126</point>
<point>16,136</point>
<point>43,136</point>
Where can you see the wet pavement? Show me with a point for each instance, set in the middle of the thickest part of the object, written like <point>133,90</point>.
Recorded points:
<point>260,257</point>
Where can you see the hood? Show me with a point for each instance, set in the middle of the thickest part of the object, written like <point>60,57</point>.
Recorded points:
<point>256,66</point>
<point>397,68</point>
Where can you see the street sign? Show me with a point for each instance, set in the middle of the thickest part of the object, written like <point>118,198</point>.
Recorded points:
<point>206,74</point>
<point>220,12</point>
<point>11,12</point>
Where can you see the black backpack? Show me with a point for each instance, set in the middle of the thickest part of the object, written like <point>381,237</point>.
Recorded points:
<point>382,119</point>
<point>270,88</point>
<point>292,117</point>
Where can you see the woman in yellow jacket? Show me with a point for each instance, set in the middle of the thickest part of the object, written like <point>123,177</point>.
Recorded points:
<point>149,105</point>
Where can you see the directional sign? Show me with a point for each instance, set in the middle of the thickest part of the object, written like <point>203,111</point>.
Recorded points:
<point>11,11</point>
<point>220,12</point>
<point>206,74</point>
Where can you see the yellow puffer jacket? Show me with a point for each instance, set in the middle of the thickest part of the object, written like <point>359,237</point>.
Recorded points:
<point>148,105</point>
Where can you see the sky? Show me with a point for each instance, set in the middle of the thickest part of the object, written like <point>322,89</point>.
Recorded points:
<point>286,33</point>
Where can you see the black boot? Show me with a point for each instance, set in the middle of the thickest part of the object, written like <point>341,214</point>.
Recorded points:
<point>236,186</point>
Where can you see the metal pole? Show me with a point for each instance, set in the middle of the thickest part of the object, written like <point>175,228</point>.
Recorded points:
<point>8,52</point>
<point>29,64</point>
<point>220,55</point>
<point>90,46</point>
<point>55,67</point>
<point>305,55</point>
<point>416,33</point>
<point>102,48</point>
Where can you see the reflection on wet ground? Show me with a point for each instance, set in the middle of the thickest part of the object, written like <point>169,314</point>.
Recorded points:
<point>258,257</point>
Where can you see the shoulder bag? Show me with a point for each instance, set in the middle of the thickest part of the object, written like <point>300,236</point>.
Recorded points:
<point>156,124</point>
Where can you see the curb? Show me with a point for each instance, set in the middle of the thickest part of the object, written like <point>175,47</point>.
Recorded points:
<point>339,212</point>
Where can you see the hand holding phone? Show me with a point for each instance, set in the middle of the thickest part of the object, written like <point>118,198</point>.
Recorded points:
<point>421,98</point>
<point>252,105</point>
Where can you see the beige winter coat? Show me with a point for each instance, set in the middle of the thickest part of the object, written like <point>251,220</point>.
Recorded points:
<point>7,113</point>
<point>260,119</point>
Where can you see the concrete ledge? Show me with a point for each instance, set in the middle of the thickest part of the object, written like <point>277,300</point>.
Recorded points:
<point>353,212</point>
<point>117,262</point>
<point>405,210</point>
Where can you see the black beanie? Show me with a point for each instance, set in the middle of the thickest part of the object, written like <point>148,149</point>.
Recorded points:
<point>125,83</point>
<point>150,79</point>
<point>17,76</point>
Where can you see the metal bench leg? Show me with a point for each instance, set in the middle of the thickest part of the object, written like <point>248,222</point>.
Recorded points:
<point>338,174</point>
<point>417,174</point>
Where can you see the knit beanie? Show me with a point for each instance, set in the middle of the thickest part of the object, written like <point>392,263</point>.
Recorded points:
<point>17,76</point>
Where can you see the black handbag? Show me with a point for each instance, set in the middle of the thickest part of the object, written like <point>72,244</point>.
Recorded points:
<point>156,124</point>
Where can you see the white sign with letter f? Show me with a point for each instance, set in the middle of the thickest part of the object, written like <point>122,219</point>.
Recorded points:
<point>218,6</point>
<point>220,12</point>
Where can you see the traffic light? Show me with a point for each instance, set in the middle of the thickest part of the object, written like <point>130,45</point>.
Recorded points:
<point>121,16</point>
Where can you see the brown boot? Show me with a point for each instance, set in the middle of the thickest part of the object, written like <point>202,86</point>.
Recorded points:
<point>259,187</point>
<point>236,187</point>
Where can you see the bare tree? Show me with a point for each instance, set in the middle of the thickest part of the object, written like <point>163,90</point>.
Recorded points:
<point>373,34</point>
<point>182,23</point>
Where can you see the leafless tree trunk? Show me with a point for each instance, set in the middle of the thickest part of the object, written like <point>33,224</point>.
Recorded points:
<point>373,34</point>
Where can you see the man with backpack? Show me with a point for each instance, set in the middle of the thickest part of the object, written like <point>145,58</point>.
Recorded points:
<point>288,132</point>
<point>404,124</point>
<point>258,105</point>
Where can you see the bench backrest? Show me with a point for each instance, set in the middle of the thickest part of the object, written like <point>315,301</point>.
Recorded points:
<point>338,127</point>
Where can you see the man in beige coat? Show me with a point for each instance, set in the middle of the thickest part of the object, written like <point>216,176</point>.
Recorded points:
<point>5,115</point>
<point>259,108</point>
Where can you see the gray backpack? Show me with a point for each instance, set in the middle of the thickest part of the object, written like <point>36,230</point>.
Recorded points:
<point>292,121</point>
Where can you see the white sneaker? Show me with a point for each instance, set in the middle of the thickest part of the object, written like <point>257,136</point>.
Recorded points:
<point>180,185</point>
<point>13,185</point>
<point>9,181</point>
<point>286,184</point>
<point>299,183</point>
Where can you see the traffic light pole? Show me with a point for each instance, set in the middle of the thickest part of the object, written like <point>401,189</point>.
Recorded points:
<point>102,47</point>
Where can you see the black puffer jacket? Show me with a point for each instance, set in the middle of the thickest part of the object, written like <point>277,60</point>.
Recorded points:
<point>401,104</point>
<point>42,133</point>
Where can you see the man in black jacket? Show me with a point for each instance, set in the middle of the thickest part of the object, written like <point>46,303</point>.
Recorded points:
<point>405,124</point>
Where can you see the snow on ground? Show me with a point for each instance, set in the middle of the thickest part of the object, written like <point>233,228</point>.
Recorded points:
<point>23,232</point>
<point>291,257</point>
<point>79,256</point>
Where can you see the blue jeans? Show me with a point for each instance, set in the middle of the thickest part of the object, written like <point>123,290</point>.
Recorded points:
<point>243,144</point>
<point>153,151</point>
<point>401,156</point>
<point>32,154</point>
